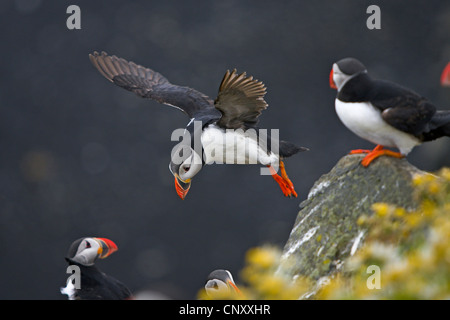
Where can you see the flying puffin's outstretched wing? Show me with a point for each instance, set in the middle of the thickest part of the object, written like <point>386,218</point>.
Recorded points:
<point>241,101</point>
<point>150,84</point>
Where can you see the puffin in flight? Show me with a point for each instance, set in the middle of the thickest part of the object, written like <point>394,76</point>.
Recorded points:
<point>94,284</point>
<point>383,112</point>
<point>224,122</point>
<point>220,283</point>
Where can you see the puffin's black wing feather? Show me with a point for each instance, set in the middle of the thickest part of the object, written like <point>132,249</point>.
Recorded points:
<point>410,116</point>
<point>96,285</point>
<point>150,84</point>
<point>439,126</point>
<point>402,108</point>
<point>240,100</point>
<point>116,289</point>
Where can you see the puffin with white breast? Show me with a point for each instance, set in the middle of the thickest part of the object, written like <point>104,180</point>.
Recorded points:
<point>383,112</point>
<point>225,123</point>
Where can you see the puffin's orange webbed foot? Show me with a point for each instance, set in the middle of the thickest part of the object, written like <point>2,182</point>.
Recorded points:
<point>286,178</point>
<point>359,151</point>
<point>378,152</point>
<point>283,181</point>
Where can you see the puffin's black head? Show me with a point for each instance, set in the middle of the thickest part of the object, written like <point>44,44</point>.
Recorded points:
<point>86,250</point>
<point>220,282</point>
<point>184,164</point>
<point>344,70</point>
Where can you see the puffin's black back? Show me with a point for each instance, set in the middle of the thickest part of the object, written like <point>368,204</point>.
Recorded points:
<point>408,111</point>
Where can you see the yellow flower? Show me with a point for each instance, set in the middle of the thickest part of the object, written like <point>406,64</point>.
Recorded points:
<point>399,212</point>
<point>381,209</point>
<point>428,207</point>
<point>262,257</point>
<point>419,179</point>
<point>445,173</point>
<point>434,187</point>
<point>362,219</point>
<point>270,285</point>
<point>413,219</point>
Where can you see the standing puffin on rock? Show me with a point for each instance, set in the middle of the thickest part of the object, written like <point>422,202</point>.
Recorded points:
<point>224,122</point>
<point>383,112</point>
<point>94,284</point>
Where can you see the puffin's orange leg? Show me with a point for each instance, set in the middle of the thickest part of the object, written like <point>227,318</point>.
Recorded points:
<point>359,151</point>
<point>285,187</point>
<point>377,152</point>
<point>286,178</point>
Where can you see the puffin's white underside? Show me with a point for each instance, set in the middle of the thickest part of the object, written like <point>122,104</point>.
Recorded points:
<point>69,290</point>
<point>234,147</point>
<point>365,120</point>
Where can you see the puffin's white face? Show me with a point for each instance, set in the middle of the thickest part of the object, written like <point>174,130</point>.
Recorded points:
<point>89,249</point>
<point>339,78</point>
<point>216,286</point>
<point>191,164</point>
<point>190,167</point>
<point>344,70</point>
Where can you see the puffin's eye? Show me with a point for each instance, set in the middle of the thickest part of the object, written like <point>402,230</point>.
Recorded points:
<point>88,245</point>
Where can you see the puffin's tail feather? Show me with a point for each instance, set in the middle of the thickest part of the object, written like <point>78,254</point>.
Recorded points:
<point>288,149</point>
<point>439,126</point>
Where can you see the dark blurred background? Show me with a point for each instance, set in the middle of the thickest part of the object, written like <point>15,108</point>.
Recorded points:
<point>82,157</point>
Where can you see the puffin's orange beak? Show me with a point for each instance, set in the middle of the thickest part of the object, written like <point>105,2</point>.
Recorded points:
<point>182,187</point>
<point>445,76</point>
<point>235,287</point>
<point>107,247</point>
<point>332,84</point>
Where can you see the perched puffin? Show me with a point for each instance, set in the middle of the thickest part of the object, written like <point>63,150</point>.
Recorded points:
<point>220,282</point>
<point>94,284</point>
<point>445,76</point>
<point>224,123</point>
<point>383,112</point>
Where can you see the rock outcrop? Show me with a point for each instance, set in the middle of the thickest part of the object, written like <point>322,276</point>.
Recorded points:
<point>326,232</point>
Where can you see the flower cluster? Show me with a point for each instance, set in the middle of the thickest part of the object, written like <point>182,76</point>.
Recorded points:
<point>266,279</point>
